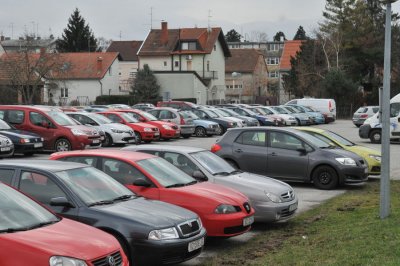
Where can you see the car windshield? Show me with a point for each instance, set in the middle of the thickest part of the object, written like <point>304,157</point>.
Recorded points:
<point>256,111</point>
<point>20,213</point>
<point>322,137</point>
<point>250,112</point>
<point>338,138</point>
<point>290,109</point>
<point>221,113</point>
<point>148,116</point>
<point>128,118</point>
<point>188,114</point>
<point>211,113</point>
<point>308,109</point>
<point>298,109</point>
<point>4,125</point>
<point>266,111</point>
<point>212,163</point>
<point>61,118</point>
<point>230,112</point>
<point>315,141</point>
<point>100,119</point>
<point>280,110</point>
<point>93,186</point>
<point>165,173</point>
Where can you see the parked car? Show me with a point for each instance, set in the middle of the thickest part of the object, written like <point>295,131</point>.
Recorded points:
<point>223,211</point>
<point>301,118</point>
<point>168,130</point>
<point>363,113</point>
<point>277,120</point>
<point>180,105</point>
<point>150,232</point>
<point>271,199</point>
<point>262,119</point>
<point>59,131</point>
<point>32,235</point>
<point>250,121</point>
<point>202,127</point>
<point>269,151</point>
<point>371,156</point>
<point>288,119</point>
<point>326,106</point>
<point>143,106</point>
<point>143,131</point>
<point>118,106</point>
<point>168,114</point>
<point>240,122</point>
<point>115,133</point>
<point>6,147</point>
<point>316,116</point>
<point>223,123</point>
<point>24,142</point>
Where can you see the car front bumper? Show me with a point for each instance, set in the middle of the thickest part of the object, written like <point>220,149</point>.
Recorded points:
<point>353,174</point>
<point>268,211</point>
<point>123,138</point>
<point>187,130</point>
<point>226,225</point>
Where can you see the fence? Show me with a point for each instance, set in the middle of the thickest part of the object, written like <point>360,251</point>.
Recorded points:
<point>345,111</point>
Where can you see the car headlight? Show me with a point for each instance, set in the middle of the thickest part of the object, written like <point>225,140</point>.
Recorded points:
<point>225,209</point>
<point>230,124</point>
<point>147,129</point>
<point>273,197</point>
<point>376,157</point>
<point>346,161</point>
<point>167,127</point>
<point>41,139</point>
<point>116,130</point>
<point>161,234</point>
<point>78,132</point>
<point>65,261</point>
<point>24,140</point>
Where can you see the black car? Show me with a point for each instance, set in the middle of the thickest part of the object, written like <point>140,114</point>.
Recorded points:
<point>223,122</point>
<point>292,155</point>
<point>150,232</point>
<point>6,147</point>
<point>24,142</point>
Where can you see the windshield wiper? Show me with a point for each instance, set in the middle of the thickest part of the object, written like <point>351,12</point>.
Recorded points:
<point>191,183</point>
<point>102,202</point>
<point>236,172</point>
<point>222,173</point>
<point>11,230</point>
<point>176,185</point>
<point>123,197</point>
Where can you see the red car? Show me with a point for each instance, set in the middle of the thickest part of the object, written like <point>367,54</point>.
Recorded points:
<point>168,130</point>
<point>143,131</point>
<point>223,211</point>
<point>59,131</point>
<point>32,235</point>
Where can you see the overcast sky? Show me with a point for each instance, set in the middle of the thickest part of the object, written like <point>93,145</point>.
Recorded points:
<point>131,19</point>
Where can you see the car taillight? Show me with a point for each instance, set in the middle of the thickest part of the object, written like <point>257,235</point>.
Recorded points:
<point>330,106</point>
<point>215,147</point>
<point>182,120</point>
<point>364,116</point>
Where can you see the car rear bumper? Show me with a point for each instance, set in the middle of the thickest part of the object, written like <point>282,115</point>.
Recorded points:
<point>358,121</point>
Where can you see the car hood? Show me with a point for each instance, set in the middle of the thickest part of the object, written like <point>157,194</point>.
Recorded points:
<point>363,151</point>
<point>160,123</point>
<point>341,152</point>
<point>202,122</point>
<point>143,125</point>
<point>152,213</point>
<point>86,129</point>
<point>66,238</point>
<point>108,127</point>
<point>19,134</point>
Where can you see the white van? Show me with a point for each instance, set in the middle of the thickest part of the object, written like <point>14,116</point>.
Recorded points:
<point>371,129</point>
<point>326,106</point>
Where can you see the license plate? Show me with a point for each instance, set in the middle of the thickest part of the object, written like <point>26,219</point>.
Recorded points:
<point>102,138</point>
<point>131,141</point>
<point>156,134</point>
<point>196,244</point>
<point>178,131</point>
<point>37,145</point>
<point>366,170</point>
<point>248,221</point>
<point>293,207</point>
<point>5,149</point>
<point>96,141</point>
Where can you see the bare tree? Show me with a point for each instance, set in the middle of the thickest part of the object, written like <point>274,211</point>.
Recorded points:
<point>258,36</point>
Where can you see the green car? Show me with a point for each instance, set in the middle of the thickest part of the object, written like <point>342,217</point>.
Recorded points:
<point>371,156</point>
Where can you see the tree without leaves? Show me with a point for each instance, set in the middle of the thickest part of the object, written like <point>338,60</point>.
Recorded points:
<point>77,37</point>
<point>300,34</point>
<point>232,36</point>
<point>145,88</point>
<point>278,36</point>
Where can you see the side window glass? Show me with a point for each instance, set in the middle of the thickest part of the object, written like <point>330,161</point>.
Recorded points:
<point>172,115</point>
<point>6,176</point>
<point>394,109</point>
<point>164,114</point>
<point>86,160</point>
<point>122,172</point>
<point>156,113</point>
<point>39,120</point>
<point>114,118</point>
<point>16,117</point>
<point>285,141</point>
<point>253,138</point>
<point>2,114</point>
<point>181,161</point>
<point>39,187</point>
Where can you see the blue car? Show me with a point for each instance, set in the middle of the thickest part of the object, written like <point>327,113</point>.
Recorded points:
<point>202,127</point>
<point>262,119</point>
<point>317,116</point>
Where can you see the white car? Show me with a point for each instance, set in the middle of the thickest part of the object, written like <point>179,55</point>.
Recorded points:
<point>276,110</point>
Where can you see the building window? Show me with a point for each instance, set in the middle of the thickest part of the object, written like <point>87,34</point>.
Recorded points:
<point>109,71</point>
<point>273,74</point>
<point>208,66</point>
<point>165,63</point>
<point>273,47</point>
<point>64,92</point>
<point>273,61</point>
<point>176,63</point>
<point>188,46</point>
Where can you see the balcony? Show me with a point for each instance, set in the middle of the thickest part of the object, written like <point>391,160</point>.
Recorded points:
<point>209,74</point>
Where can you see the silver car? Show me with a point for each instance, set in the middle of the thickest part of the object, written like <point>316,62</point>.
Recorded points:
<point>115,133</point>
<point>173,115</point>
<point>272,200</point>
<point>6,147</point>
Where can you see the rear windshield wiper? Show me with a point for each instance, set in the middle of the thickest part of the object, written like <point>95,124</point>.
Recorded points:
<point>102,202</point>
<point>176,185</point>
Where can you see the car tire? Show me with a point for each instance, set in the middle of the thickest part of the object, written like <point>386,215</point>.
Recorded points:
<point>62,144</point>
<point>200,132</point>
<point>298,122</point>
<point>138,137</point>
<point>221,130</point>
<point>325,177</point>
<point>232,163</point>
<point>375,136</point>
<point>147,141</point>
<point>209,135</point>
<point>108,141</point>
<point>186,136</point>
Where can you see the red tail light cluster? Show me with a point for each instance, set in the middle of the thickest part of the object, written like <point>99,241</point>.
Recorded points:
<point>215,147</point>
<point>182,120</point>
<point>364,116</point>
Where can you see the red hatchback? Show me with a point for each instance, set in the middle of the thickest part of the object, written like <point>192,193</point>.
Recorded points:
<point>223,211</point>
<point>32,235</point>
<point>168,130</point>
<point>143,131</point>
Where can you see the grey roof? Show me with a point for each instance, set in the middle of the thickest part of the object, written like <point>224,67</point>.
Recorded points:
<point>30,43</point>
<point>283,129</point>
<point>46,165</point>
<point>156,147</point>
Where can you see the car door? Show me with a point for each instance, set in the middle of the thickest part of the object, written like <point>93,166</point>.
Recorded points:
<point>286,156</point>
<point>41,125</point>
<point>43,188</point>
<point>250,152</point>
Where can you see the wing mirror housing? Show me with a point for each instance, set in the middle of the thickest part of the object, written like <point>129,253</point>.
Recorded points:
<point>199,176</point>
<point>141,182</point>
<point>61,201</point>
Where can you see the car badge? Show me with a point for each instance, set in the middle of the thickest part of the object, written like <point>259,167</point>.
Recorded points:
<point>111,261</point>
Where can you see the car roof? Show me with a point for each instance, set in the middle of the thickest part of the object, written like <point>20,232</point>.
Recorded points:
<point>33,107</point>
<point>285,129</point>
<point>111,153</point>
<point>155,147</point>
<point>46,165</point>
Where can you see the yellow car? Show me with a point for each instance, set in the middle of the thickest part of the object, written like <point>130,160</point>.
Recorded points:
<point>371,156</point>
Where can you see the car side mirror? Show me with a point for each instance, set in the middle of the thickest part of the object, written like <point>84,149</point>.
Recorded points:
<point>141,119</point>
<point>302,150</point>
<point>199,176</point>
<point>206,117</point>
<point>61,201</point>
<point>141,182</point>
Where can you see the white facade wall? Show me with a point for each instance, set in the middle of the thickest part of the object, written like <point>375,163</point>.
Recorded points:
<point>156,63</point>
<point>127,74</point>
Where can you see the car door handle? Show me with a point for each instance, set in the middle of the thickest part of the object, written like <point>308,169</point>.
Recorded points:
<point>238,150</point>
<point>274,154</point>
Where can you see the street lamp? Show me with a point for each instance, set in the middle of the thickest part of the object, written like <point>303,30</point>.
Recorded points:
<point>236,75</point>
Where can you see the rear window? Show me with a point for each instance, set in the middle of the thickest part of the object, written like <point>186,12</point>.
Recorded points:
<point>16,116</point>
<point>362,110</point>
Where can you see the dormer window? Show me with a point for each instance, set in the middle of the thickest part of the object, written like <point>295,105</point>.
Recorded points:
<point>188,45</point>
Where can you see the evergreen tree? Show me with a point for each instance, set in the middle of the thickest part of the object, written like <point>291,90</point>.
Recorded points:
<point>300,34</point>
<point>232,36</point>
<point>145,88</point>
<point>278,36</point>
<point>77,37</point>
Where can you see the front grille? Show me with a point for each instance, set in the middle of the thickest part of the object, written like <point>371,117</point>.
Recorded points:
<point>247,207</point>
<point>179,255</point>
<point>189,228</point>
<point>175,127</point>
<point>235,229</point>
<point>288,196</point>
<point>287,213</point>
<point>112,259</point>
<point>154,129</point>
<point>375,169</point>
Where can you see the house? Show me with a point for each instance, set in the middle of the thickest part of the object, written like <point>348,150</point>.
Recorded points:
<point>290,49</point>
<point>246,76</point>
<point>34,44</point>
<point>189,63</point>
<point>128,62</point>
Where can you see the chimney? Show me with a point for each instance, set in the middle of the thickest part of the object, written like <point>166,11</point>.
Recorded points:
<point>99,63</point>
<point>164,32</point>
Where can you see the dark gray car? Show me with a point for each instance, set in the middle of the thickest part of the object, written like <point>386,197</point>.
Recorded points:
<point>291,155</point>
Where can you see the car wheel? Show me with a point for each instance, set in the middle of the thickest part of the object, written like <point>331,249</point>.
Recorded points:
<point>232,163</point>
<point>108,141</point>
<point>220,130</point>
<point>325,177</point>
<point>375,136</point>
<point>298,122</point>
<point>200,132</point>
<point>62,145</point>
<point>138,137</point>
<point>186,136</point>
<point>209,135</point>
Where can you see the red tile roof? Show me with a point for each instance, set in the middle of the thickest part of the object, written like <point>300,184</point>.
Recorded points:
<point>242,60</point>
<point>127,49</point>
<point>290,49</point>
